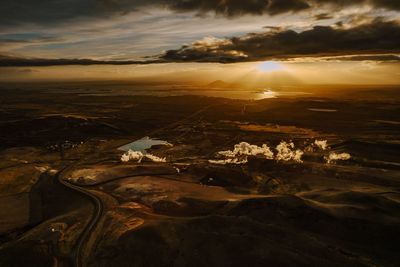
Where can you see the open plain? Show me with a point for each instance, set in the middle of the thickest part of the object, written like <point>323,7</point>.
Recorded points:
<point>287,181</point>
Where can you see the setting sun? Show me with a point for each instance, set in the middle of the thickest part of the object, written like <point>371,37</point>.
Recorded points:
<point>269,66</point>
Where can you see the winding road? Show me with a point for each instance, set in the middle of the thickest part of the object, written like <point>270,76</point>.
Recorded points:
<point>98,204</point>
<point>98,212</point>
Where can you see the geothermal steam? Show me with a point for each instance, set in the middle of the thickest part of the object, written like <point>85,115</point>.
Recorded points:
<point>138,157</point>
<point>285,151</point>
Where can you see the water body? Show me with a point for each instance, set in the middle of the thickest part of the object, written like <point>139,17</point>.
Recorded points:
<point>232,93</point>
<point>322,110</point>
<point>143,144</point>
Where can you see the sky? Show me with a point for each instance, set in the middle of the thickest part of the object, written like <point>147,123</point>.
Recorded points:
<point>313,41</point>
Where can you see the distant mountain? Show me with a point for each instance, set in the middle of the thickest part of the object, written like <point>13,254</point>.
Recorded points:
<point>218,84</point>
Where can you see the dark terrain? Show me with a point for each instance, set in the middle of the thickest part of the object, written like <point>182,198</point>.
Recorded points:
<point>188,211</point>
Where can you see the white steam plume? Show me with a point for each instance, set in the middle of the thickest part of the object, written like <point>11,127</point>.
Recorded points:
<point>247,149</point>
<point>155,158</point>
<point>287,152</point>
<point>335,157</point>
<point>229,161</point>
<point>132,155</point>
<point>138,156</point>
<point>240,153</point>
<point>321,144</point>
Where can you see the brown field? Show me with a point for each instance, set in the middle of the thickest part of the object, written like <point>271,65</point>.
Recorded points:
<point>188,211</point>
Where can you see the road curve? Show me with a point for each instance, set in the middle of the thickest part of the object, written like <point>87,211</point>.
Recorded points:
<point>98,212</point>
<point>98,204</point>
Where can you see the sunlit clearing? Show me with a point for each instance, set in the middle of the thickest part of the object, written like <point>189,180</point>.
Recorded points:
<point>269,66</point>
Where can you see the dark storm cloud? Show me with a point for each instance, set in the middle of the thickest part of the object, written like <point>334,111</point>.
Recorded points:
<point>22,39</point>
<point>42,11</point>
<point>376,41</point>
<point>377,37</point>
<point>6,61</point>
<point>323,16</point>
<point>239,7</point>
<point>377,58</point>
<point>14,12</point>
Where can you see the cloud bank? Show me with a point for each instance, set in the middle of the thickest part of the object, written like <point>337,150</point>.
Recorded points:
<point>377,40</point>
<point>72,30</point>
<point>375,37</point>
<point>6,61</point>
<point>14,12</point>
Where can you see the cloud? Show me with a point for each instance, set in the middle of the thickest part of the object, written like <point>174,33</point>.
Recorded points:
<point>14,12</point>
<point>378,58</point>
<point>6,61</point>
<point>375,40</point>
<point>231,8</point>
<point>389,4</point>
<point>323,16</point>
<point>17,41</point>
<point>26,39</point>
<point>376,37</point>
